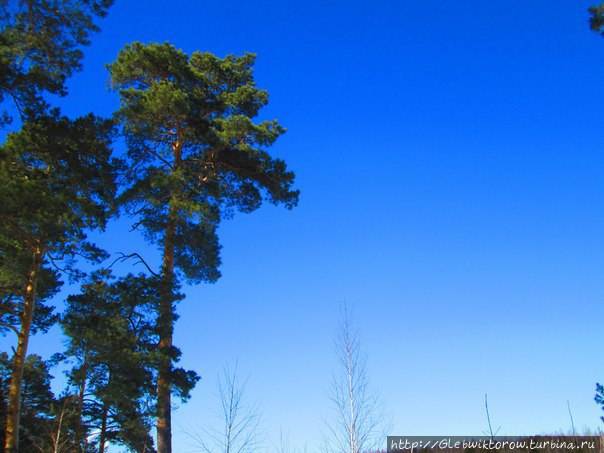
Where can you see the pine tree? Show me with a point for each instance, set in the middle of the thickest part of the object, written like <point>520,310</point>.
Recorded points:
<point>56,182</point>
<point>38,401</point>
<point>42,216</point>
<point>196,155</point>
<point>111,328</point>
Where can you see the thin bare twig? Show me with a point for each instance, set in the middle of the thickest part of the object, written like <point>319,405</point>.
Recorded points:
<point>490,432</point>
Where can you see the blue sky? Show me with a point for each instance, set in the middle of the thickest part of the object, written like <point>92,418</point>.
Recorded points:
<point>449,160</point>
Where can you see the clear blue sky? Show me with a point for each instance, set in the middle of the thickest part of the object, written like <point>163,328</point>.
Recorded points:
<point>449,157</point>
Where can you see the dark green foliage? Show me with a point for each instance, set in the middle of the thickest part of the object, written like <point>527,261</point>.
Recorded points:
<point>56,181</point>
<point>112,331</point>
<point>183,381</point>
<point>55,178</point>
<point>11,297</point>
<point>56,174</point>
<point>37,402</point>
<point>47,423</point>
<point>111,338</point>
<point>201,106</point>
<point>64,428</point>
<point>596,20</point>
<point>40,47</point>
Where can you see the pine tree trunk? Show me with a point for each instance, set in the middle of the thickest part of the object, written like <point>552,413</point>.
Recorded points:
<point>16,383</point>
<point>80,432</point>
<point>103,434</point>
<point>166,322</point>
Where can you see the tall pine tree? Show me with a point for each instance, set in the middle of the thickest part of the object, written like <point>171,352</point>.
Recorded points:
<point>40,47</point>
<point>110,328</point>
<point>113,344</point>
<point>196,154</point>
<point>56,182</point>
<point>38,402</point>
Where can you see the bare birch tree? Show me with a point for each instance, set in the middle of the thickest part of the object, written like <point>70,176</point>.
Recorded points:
<point>358,424</point>
<point>242,430</point>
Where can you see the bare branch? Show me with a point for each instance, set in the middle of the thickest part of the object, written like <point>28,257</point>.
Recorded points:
<point>6,309</point>
<point>140,260</point>
<point>242,431</point>
<point>490,433</point>
<point>10,326</point>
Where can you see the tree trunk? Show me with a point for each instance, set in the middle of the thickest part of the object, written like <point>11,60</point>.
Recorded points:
<point>103,434</point>
<point>166,321</point>
<point>352,430</point>
<point>80,432</point>
<point>57,440</point>
<point>16,382</point>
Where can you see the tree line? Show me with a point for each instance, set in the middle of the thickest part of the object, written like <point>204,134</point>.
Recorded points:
<point>194,155</point>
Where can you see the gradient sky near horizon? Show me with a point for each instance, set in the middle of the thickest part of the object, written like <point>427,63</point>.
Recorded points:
<point>449,157</point>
